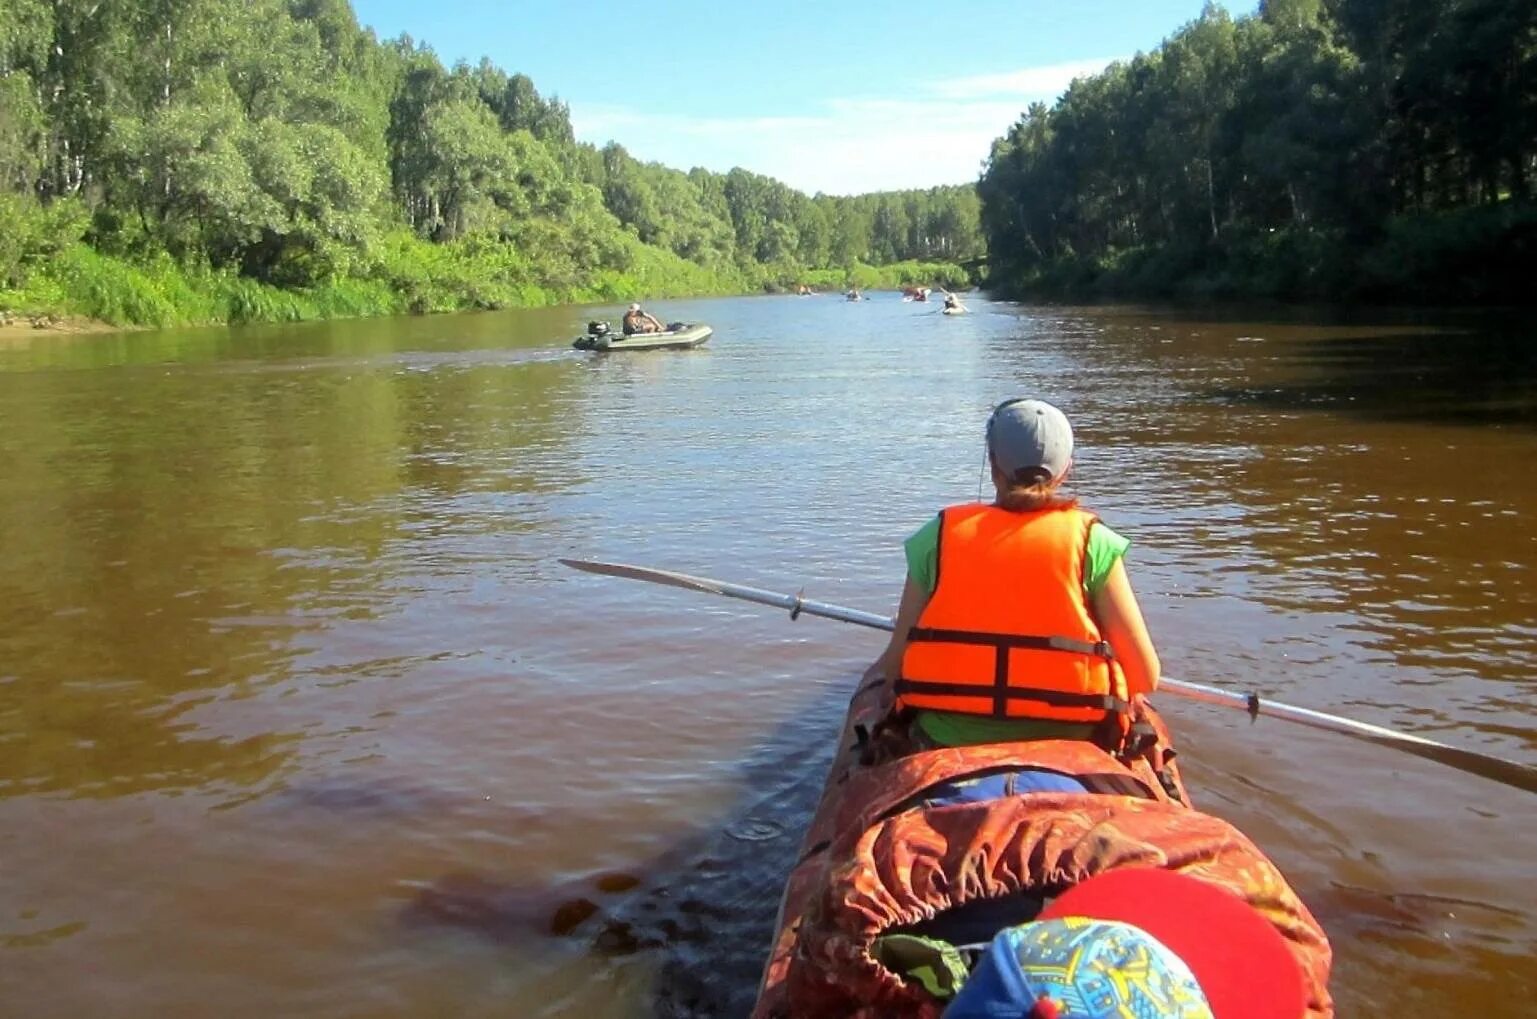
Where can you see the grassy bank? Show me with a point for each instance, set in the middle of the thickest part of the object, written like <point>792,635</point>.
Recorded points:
<point>403,275</point>
<point>889,277</point>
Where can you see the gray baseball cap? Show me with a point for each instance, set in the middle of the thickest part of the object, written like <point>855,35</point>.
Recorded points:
<point>1029,437</point>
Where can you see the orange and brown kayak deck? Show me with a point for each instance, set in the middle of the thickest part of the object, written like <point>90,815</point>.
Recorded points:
<point>875,858</point>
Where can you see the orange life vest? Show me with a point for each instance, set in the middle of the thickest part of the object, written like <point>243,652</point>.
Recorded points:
<point>1008,632</point>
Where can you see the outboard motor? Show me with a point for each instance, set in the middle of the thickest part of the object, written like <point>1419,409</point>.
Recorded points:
<point>597,337</point>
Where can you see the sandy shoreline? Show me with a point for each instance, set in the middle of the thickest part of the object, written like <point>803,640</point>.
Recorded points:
<point>22,327</point>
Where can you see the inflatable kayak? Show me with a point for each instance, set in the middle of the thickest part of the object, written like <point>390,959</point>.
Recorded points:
<point>915,852</point>
<point>953,311</point>
<point>678,336</point>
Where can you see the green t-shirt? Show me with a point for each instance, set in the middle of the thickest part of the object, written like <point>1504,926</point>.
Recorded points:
<point>949,729</point>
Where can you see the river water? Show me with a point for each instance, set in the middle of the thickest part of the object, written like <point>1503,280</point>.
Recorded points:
<point>299,715</point>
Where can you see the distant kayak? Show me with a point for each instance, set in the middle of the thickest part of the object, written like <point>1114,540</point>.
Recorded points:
<point>953,311</point>
<point>679,336</point>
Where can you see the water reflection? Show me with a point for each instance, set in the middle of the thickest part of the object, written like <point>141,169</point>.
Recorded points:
<point>175,541</point>
<point>1413,544</point>
<point>1323,490</point>
<point>1483,375</point>
<point>700,912</point>
<point>281,606</point>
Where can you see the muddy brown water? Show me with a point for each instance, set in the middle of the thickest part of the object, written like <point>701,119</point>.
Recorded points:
<point>299,716</point>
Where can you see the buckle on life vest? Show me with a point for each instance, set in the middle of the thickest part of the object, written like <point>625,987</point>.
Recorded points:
<point>1166,779</point>
<point>1140,737</point>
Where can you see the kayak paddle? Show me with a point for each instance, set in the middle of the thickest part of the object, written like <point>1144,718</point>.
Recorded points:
<point>1519,776</point>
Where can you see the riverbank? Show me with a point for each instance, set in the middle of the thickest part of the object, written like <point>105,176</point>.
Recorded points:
<point>1467,257</point>
<point>16,329</point>
<point>404,276</point>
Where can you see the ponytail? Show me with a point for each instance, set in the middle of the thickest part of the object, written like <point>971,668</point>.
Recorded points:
<point>1028,498</point>
<point>1029,490</point>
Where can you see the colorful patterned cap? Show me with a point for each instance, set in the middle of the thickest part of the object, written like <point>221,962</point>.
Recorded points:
<point>1078,968</point>
<point>1242,962</point>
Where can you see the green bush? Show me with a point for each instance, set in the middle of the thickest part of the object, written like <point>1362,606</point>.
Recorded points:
<point>1486,254</point>
<point>889,277</point>
<point>34,233</point>
<point>114,291</point>
<point>401,272</point>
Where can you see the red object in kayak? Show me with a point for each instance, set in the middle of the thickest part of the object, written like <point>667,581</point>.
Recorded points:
<point>878,858</point>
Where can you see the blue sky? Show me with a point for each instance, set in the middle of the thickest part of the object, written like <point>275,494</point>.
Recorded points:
<point>842,98</point>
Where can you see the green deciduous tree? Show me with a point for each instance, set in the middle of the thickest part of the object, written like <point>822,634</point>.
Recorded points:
<point>1313,125</point>
<point>278,141</point>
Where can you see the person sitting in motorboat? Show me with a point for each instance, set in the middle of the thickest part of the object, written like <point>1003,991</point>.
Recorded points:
<point>638,321</point>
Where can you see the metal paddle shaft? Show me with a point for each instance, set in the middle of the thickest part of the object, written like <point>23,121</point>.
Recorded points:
<point>1510,773</point>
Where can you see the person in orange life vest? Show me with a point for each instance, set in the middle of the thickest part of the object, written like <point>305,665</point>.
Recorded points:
<point>1018,621</point>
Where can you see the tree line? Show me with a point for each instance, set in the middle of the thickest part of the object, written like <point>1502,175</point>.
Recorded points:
<point>1317,148</point>
<point>209,160</point>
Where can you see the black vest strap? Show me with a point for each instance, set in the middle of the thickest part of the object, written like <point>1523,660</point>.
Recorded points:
<point>1010,641</point>
<point>1001,691</point>
<point>1052,698</point>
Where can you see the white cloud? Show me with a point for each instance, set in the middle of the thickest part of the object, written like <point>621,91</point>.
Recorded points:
<point>847,146</point>
<point>1033,83</point>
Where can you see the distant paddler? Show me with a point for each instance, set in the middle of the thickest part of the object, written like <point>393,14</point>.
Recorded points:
<point>953,305</point>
